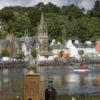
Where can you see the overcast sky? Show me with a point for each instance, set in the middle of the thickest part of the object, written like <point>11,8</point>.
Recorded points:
<point>87,4</point>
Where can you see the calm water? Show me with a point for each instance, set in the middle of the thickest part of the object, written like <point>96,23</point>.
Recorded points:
<point>11,83</point>
<point>66,82</point>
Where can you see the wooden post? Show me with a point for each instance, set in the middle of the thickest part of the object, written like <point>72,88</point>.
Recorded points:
<point>31,86</point>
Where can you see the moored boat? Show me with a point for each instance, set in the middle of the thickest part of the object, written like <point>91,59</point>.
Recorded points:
<point>84,68</point>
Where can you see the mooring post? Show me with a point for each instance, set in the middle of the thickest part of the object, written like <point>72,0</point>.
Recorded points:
<point>50,92</point>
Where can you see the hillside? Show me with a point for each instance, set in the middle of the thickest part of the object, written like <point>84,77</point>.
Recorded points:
<point>63,22</point>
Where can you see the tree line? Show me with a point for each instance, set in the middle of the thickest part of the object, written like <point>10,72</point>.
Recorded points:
<point>63,22</point>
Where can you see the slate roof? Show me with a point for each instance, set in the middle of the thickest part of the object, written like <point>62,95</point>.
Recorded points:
<point>29,41</point>
<point>45,53</point>
<point>58,46</point>
<point>84,45</point>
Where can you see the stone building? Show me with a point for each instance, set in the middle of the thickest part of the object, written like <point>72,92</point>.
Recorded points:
<point>42,41</point>
<point>42,35</point>
<point>25,43</point>
<point>10,44</point>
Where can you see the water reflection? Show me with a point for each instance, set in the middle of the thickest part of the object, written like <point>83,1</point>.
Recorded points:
<point>10,82</point>
<point>67,81</point>
<point>64,79</point>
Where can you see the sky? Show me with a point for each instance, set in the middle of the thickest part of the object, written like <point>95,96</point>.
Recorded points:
<point>87,4</point>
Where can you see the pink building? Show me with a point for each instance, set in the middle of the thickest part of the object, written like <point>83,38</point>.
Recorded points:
<point>98,46</point>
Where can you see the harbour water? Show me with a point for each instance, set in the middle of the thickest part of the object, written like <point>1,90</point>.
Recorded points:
<point>69,84</point>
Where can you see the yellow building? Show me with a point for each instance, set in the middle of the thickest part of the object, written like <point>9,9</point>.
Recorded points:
<point>60,50</point>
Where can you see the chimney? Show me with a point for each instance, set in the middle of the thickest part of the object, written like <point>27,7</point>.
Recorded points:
<point>69,41</point>
<point>76,42</point>
<point>88,42</point>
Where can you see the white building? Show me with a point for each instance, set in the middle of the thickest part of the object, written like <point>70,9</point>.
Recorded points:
<point>88,48</point>
<point>72,48</point>
<point>57,48</point>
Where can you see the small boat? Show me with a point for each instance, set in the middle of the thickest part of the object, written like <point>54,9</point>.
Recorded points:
<point>83,68</point>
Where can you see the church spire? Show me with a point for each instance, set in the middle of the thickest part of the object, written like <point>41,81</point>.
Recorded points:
<point>43,34</point>
<point>42,22</point>
<point>42,28</point>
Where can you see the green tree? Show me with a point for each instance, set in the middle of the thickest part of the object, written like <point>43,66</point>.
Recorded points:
<point>71,19</point>
<point>96,10</point>
<point>5,52</point>
<point>7,14</point>
<point>34,15</point>
<point>72,11</point>
<point>20,54</point>
<point>51,8</point>
<point>22,23</point>
<point>33,53</point>
<point>3,34</point>
<point>61,53</point>
<point>81,52</point>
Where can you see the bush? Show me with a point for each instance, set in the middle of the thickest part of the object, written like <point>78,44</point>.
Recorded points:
<point>61,53</point>
<point>20,54</point>
<point>33,53</point>
<point>81,52</point>
<point>2,35</point>
<point>5,52</point>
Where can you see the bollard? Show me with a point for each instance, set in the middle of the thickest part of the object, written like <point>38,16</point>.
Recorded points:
<point>50,92</point>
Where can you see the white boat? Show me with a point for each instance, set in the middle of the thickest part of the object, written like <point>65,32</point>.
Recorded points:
<point>82,70</point>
